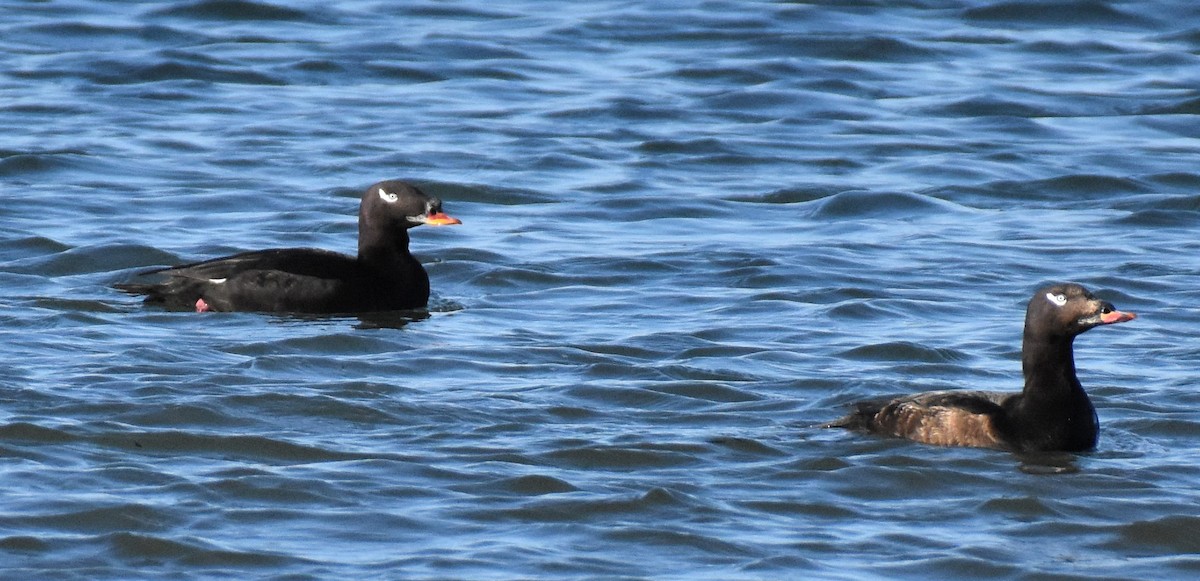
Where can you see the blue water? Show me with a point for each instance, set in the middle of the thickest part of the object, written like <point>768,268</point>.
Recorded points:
<point>692,232</point>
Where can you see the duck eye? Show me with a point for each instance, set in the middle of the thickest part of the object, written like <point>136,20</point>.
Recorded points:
<point>389,198</point>
<point>1058,299</point>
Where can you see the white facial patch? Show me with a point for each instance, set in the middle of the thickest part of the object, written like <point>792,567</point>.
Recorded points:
<point>389,198</point>
<point>217,280</point>
<point>1058,299</point>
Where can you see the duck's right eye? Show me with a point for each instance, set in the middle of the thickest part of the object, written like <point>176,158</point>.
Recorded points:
<point>387,197</point>
<point>1058,299</point>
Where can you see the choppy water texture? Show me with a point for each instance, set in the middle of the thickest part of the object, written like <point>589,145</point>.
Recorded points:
<point>693,231</point>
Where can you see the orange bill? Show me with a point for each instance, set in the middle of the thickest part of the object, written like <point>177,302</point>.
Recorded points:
<point>1116,317</point>
<point>440,219</point>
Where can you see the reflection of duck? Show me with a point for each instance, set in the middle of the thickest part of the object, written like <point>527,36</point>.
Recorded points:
<point>384,276</point>
<point>1051,413</point>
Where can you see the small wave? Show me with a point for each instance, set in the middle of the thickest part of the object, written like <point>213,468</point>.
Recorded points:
<point>126,517</point>
<point>620,457</point>
<point>791,195</point>
<point>237,10</point>
<point>159,548</point>
<point>1161,218</point>
<point>254,447</point>
<point>1070,13</point>
<point>413,73</point>
<point>85,259</point>
<point>29,163</point>
<point>678,540</point>
<point>864,204</point>
<point>706,390</point>
<point>24,544</point>
<point>1175,534</point>
<point>525,485</point>
<point>1184,107</point>
<point>28,432</point>
<point>904,351</point>
<point>1071,187</point>
<point>575,507</point>
<point>121,73</point>
<point>866,48</point>
<point>986,106</point>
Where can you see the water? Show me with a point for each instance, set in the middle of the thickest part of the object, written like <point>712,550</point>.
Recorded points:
<point>692,231</point>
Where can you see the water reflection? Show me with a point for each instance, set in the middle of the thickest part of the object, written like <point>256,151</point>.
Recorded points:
<point>1042,463</point>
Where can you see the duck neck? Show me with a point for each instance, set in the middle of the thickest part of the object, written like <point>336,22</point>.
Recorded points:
<point>400,280</point>
<point>1048,364</point>
<point>1054,412</point>
<point>384,250</point>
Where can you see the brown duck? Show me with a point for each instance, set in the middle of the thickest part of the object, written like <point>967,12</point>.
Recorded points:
<point>1052,413</point>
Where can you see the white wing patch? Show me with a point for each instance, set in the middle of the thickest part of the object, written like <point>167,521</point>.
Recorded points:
<point>389,198</point>
<point>1058,299</point>
<point>217,280</point>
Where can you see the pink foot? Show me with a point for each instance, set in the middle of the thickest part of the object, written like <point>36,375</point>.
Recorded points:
<point>201,306</point>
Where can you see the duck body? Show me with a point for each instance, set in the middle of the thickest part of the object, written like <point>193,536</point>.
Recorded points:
<point>1051,413</point>
<point>291,280</point>
<point>383,276</point>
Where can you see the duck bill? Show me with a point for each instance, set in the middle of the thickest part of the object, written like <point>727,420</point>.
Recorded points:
<point>439,219</point>
<point>1116,317</point>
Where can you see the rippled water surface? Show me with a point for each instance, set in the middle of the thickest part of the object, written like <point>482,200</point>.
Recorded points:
<point>692,232</point>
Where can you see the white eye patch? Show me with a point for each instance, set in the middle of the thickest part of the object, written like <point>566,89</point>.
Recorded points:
<point>1058,299</point>
<point>389,198</point>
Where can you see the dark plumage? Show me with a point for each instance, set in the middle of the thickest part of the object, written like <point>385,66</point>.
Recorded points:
<point>384,275</point>
<point>1052,413</point>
